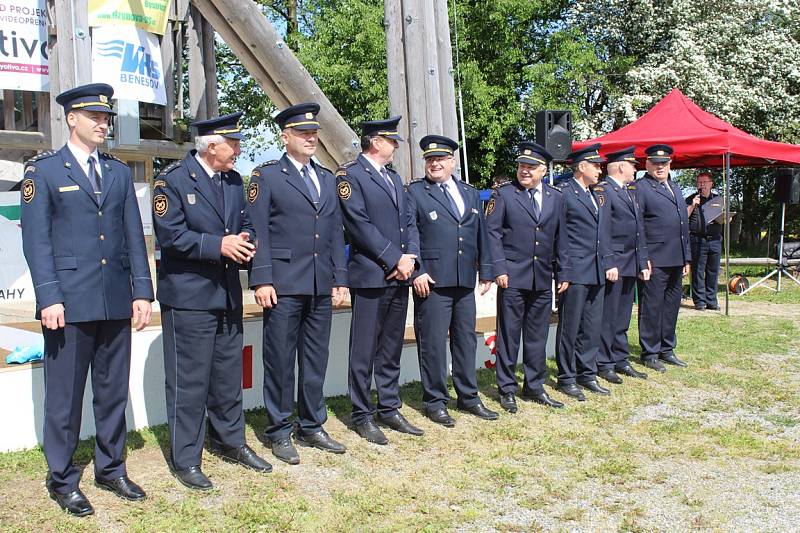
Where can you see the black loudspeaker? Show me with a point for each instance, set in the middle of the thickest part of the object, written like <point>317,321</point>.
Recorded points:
<point>554,132</point>
<point>787,185</point>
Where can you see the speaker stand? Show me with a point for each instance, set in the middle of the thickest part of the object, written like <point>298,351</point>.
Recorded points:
<point>781,270</point>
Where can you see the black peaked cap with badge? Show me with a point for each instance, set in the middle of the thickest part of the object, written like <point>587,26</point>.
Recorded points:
<point>300,117</point>
<point>659,153</point>
<point>437,146</point>
<point>226,125</point>
<point>591,154</point>
<point>91,97</point>
<point>383,128</point>
<point>626,154</point>
<point>532,153</point>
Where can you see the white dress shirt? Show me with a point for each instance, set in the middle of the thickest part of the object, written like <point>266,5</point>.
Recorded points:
<point>311,171</point>
<point>453,190</point>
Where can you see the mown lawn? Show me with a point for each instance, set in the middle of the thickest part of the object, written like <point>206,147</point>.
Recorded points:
<point>691,448</point>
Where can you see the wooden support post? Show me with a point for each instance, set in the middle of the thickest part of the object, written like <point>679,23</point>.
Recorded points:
<point>447,91</point>
<point>27,110</point>
<point>415,79</point>
<point>198,108</point>
<point>9,121</point>
<point>210,70</point>
<point>168,68</point>
<point>396,67</point>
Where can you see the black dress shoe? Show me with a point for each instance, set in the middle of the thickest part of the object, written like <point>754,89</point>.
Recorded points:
<point>284,450</point>
<point>194,478</point>
<point>654,364</point>
<point>628,370</point>
<point>245,456</point>
<point>480,410</point>
<point>610,376</point>
<point>699,307</point>
<point>75,503</point>
<point>122,487</point>
<point>508,402</point>
<point>370,431</point>
<point>571,389</point>
<point>672,360</point>
<point>442,417</point>
<point>399,423</point>
<point>712,307</point>
<point>542,398</point>
<point>319,440</point>
<point>595,387</point>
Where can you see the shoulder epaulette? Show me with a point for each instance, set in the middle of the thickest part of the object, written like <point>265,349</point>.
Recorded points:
<point>416,180</point>
<point>106,155</point>
<point>323,168</point>
<point>342,170</point>
<point>469,185</point>
<point>169,168</point>
<point>257,169</point>
<point>598,189</point>
<point>43,155</point>
<point>552,187</point>
<point>504,184</point>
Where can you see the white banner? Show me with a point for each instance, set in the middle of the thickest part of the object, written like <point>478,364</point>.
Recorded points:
<point>23,45</point>
<point>128,59</point>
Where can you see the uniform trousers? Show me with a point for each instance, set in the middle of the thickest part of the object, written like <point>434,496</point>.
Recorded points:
<point>446,309</point>
<point>69,352</point>
<point>580,314</point>
<point>706,253</point>
<point>524,312</point>
<point>658,311</point>
<point>377,328</point>
<point>301,325</point>
<point>617,308</point>
<point>203,371</point>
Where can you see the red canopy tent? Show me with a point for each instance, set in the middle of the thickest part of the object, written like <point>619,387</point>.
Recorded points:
<point>699,138</point>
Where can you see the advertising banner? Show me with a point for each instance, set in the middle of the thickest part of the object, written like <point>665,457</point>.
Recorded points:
<point>23,45</point>
<point>148,15</point>
<point>128,59</point>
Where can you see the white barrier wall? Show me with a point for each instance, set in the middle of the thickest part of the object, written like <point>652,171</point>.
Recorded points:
<point>22,388</point>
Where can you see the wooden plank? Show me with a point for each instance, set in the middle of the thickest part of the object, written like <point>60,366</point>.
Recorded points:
<point>415,78</point>
<point>168,68</point>
<point>23,140</point>
<point>153,148</point>
<point>243,26</point>
<point>447,91</point>
<point>27,110</point>
<point>433,104</point>
<point>43,113</point>
<point>210,68</point>
<point>9,120</point>
<point>197,79</point>
<point>396,69</point>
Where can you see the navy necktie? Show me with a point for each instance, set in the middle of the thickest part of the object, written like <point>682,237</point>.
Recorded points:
<point>534,203</point>
<point>389,184</point>
<point>94,177</point>
<point>216,179</point>
<point>453,204</point>
<point>312,189</point>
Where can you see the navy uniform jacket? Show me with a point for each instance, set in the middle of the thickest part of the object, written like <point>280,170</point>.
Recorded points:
<point>666,223</point>
<point>586,235</point>
<point>379,231</point>
<point>452,251</point>
<point>300,247</point>
<point>193,274</point>
<point>86,253</point>
<point>627,250</point>
<point>529,252</point>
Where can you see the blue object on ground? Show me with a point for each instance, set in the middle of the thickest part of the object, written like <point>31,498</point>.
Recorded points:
<point>25,354</point>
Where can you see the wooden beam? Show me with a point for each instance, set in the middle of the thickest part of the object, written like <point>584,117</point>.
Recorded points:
<point>168,68</point>
<point>197,79</point>
<point>153,148</point>
<point>23,140</point>
<point>284,79</point>
<point>9,120</point>
<point>415,78</point>
<point>210,70</point>
<point>396,70</point>
<point>43,113</point>
<point>447,90</point>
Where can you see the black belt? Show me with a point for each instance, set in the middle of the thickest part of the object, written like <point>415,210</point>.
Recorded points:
<point>704,236</point>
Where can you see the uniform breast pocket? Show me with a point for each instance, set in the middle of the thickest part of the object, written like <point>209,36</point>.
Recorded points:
<point>283,254</point>
<point>66,262</point>
<point>429,254</point>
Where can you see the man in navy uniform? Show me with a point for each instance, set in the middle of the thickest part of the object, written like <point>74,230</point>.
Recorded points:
<point>527,238</point>
<point>298,273</point>
<point>626,260</point>
<point>383,248</point>
<point>205,235</point>
<point>580,311</point>
<point>454,247</point>
<point>666,229</point>
<point>705,238</point>
<point>83,241</point>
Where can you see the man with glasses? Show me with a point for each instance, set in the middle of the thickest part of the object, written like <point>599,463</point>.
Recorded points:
<point>298,274</point>
<point>526,232</point>
<point>705,237</point>
<point>204,235</point>
<point>454,249</point>
<point>666,230</point>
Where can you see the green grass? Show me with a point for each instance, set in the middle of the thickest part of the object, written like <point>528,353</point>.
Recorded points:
<point>547,462</point>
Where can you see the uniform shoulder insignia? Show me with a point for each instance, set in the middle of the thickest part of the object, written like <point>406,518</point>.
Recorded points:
<point>28,190</point>
<point>469,185</point>
<point>501,185</point>
<point>348,164</point>
<point>169,168</point>
<point>252,192</point>
<point>160,204</point>
<point>599,189</point>
<point>553,187</point>
<point>631,187</point>
<point>324,168</point>
<point>416,180</point>
<point>43,155</point>
<point>257,170</point>
<point>342,170</point>
<point>106,155</point>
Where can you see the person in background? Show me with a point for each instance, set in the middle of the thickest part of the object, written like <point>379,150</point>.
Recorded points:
<point>705,241</point>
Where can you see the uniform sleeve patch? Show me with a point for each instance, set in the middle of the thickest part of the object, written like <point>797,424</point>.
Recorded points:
<point>28,190</point>
<point>341,172</point>
<point>160,204</point>
<point>30,168</point>
<point>490,207</point>
<point>601,199</point>
<point>159,183</point>
<point>344,190</point>
<point>252,192</point>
